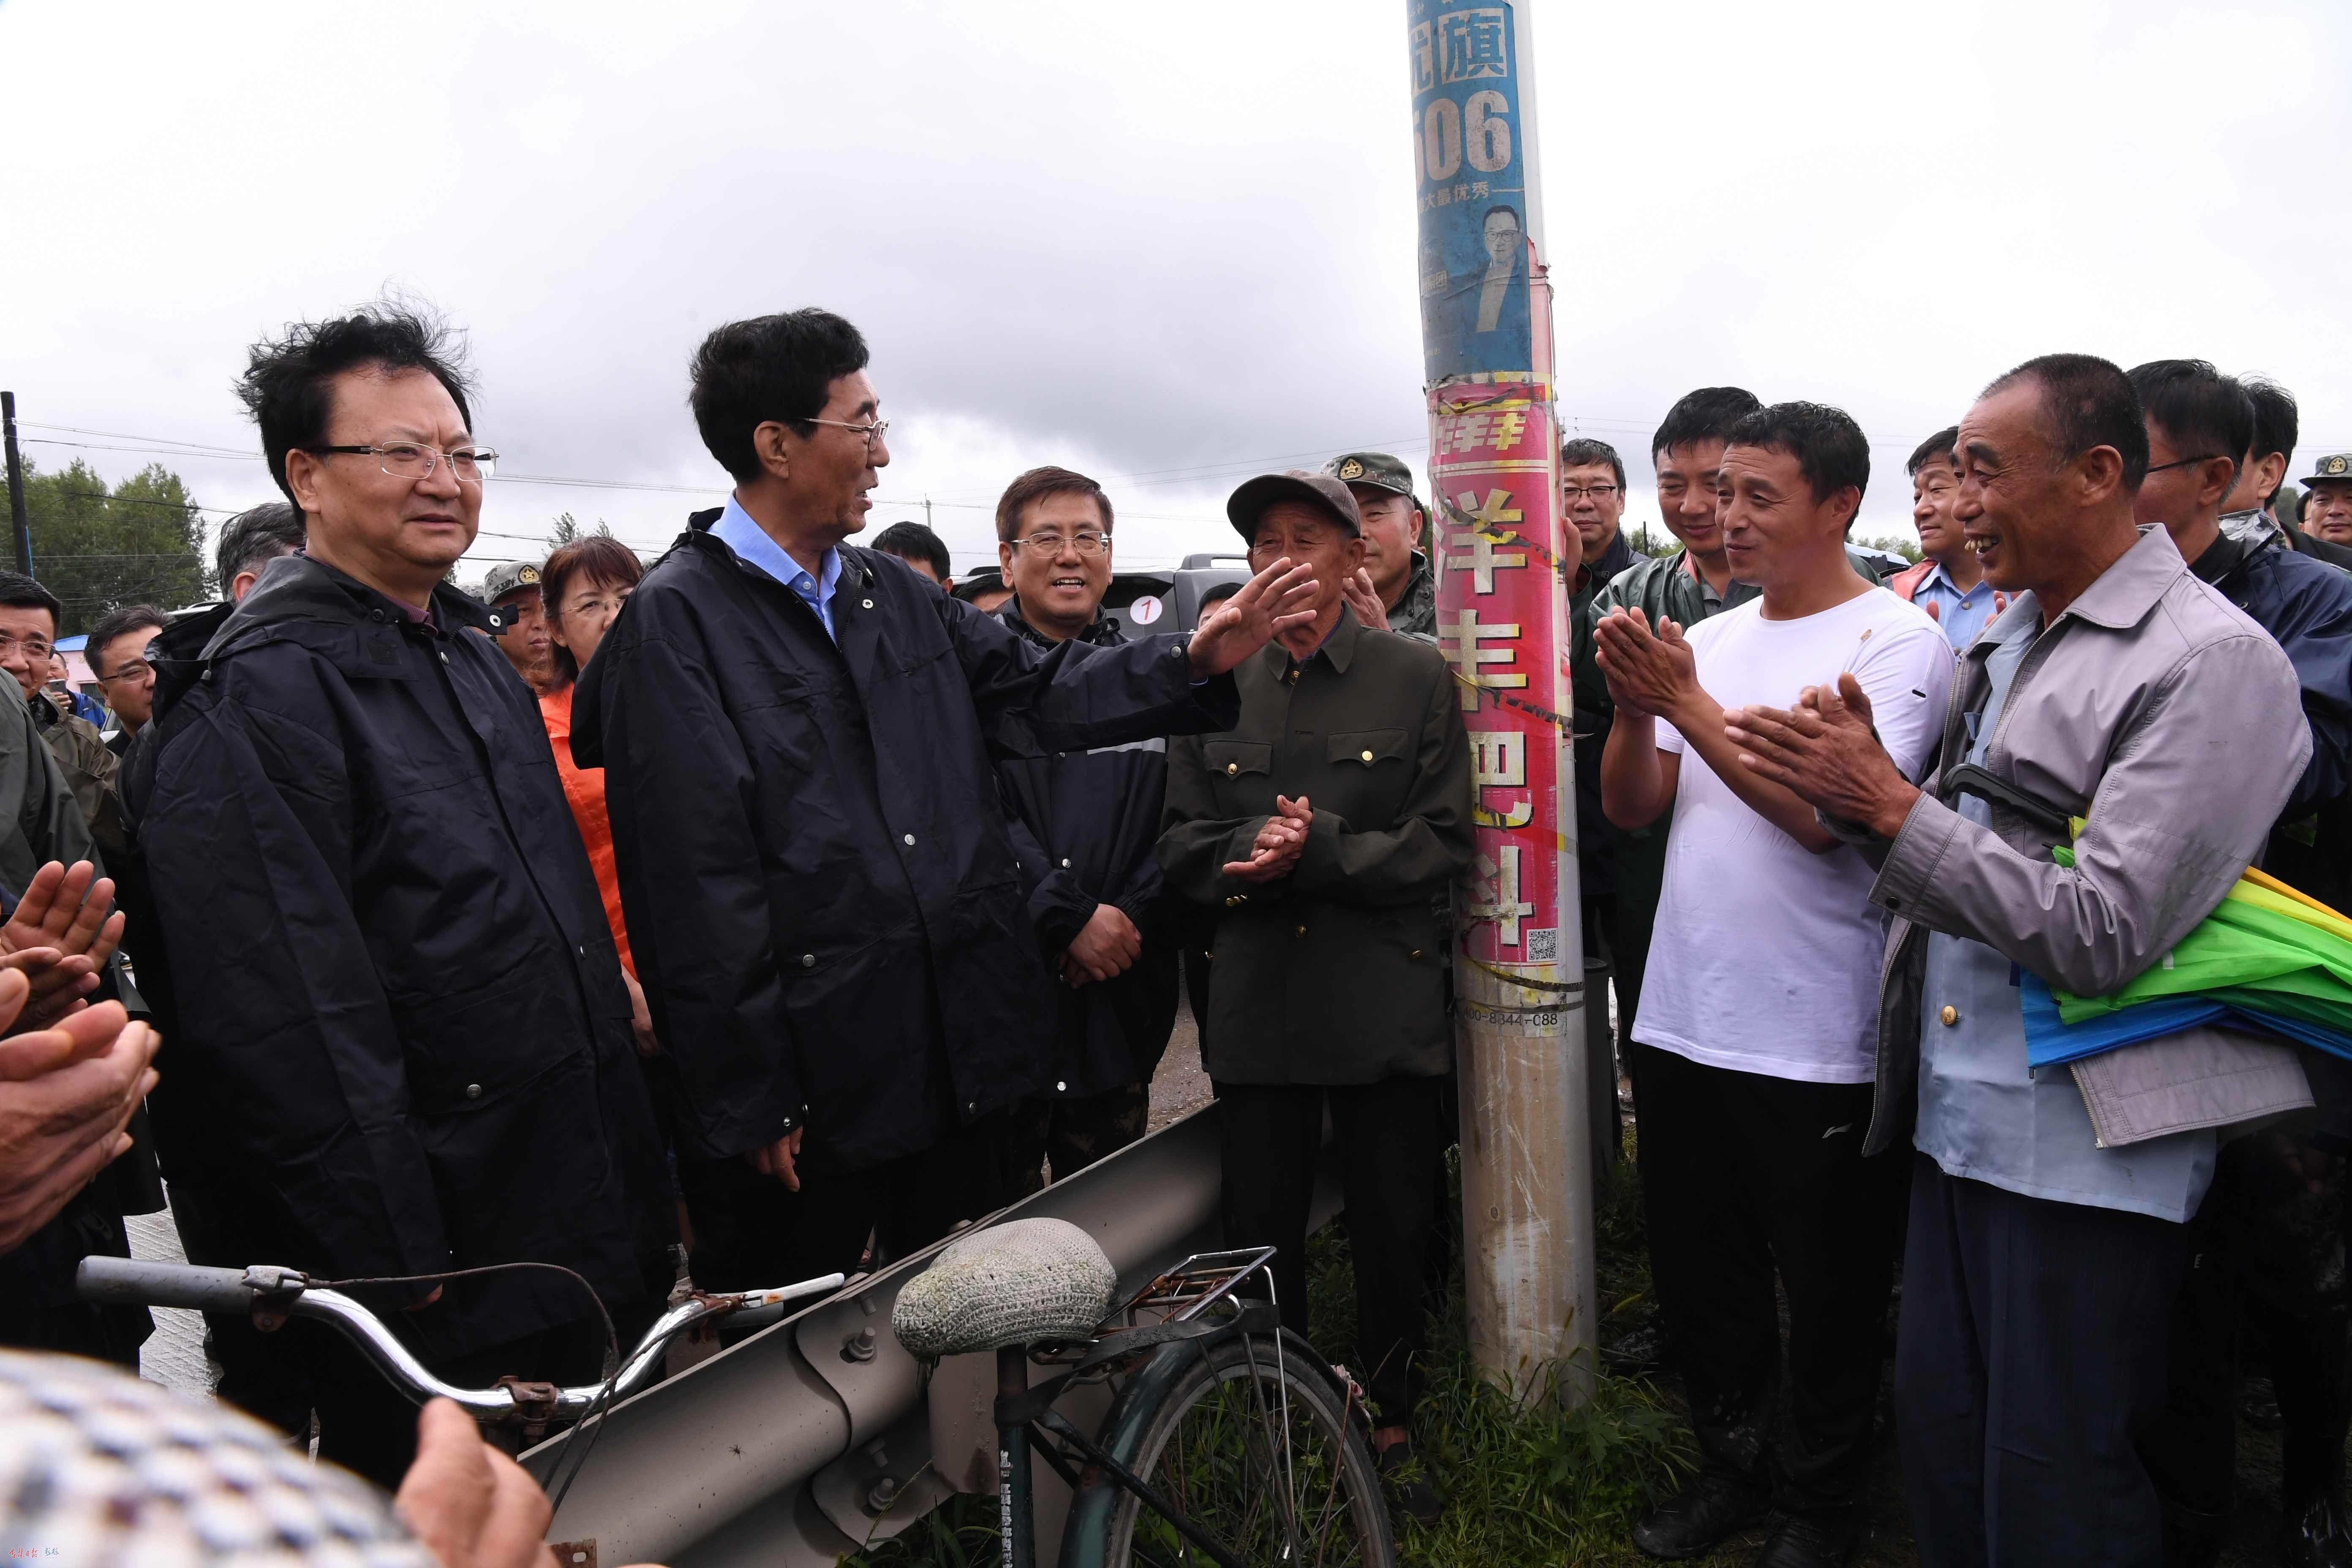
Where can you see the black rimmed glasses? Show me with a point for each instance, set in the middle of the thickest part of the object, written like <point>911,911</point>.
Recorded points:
<point>1574,493</point>
<point>414,460</point>
<point>2181,462</point>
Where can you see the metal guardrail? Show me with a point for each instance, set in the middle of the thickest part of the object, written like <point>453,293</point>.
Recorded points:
<point>815,1437</point>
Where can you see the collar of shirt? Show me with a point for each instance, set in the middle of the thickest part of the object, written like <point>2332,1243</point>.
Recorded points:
<point>1938,577</point>
<point>751,543</point>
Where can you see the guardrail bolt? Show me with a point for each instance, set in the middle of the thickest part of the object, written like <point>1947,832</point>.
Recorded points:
<point>859,1346</point>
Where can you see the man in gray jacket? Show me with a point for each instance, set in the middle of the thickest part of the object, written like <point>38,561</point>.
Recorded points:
<point>2046,1237</point>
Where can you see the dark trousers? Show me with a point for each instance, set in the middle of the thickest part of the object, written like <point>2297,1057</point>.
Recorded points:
<point>1389,1150</point>
<point>2267,1274</point>
<point>2031,1356</point>
<point>752,1232</point>
<point>1070,1132</point>
<point>1744,1177</point>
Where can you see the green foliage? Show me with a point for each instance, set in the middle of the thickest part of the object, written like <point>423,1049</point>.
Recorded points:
<point>566,530</point>
<point>94,547</point>
<point>1906,548</point>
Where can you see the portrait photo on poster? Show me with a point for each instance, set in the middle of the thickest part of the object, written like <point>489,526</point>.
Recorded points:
<point>1475,250</point>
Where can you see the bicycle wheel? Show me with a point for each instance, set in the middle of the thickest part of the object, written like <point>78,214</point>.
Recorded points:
<point>1214,1445</point>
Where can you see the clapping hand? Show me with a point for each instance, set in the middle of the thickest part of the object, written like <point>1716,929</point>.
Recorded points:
<point>1278,845</point>
<point>1825,753</point>
<point>1647,672</point>
<point>66,1095</point>
<point>60,935</point>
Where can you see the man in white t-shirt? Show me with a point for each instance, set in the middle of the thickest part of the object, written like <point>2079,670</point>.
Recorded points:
<point>1753,1054</point>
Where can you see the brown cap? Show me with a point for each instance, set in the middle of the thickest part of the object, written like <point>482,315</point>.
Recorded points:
<point>1248,503</point>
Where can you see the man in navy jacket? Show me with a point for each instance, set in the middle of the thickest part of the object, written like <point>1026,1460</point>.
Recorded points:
<point>827,912</point>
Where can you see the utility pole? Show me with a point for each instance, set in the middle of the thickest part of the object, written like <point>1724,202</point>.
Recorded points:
<point>1506,562</point>
<point>16,520</point>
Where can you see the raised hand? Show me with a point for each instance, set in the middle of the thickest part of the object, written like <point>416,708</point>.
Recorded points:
<point>1276,599</point>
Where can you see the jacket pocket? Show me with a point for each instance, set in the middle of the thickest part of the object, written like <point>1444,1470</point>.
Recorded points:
<point>1365,747</point>
<point>1232,758</point>
<point>473,1051</point>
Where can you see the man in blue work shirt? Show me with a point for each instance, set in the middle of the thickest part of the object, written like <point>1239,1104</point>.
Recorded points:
<point>1948,581</point>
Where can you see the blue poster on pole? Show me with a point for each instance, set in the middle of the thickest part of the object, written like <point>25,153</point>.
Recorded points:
<point>1474,249</point>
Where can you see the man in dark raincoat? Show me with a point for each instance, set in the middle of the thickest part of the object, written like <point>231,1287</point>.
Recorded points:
<point>406,1045</point>
<point>828,916</point>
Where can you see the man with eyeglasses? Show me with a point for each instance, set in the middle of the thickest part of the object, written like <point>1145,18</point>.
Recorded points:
<point>28,639</point>
<point>118,657</point>
<point>1084,823</point>
<point>796,735</point>
<point>1592,491</point>
<point>404,1042</point>
<point>2252,1244</point>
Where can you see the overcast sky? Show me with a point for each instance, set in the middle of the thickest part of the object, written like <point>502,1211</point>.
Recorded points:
<point>1171,245</point>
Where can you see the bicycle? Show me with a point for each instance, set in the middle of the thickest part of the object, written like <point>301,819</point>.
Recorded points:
<point>270,1294</point>
<point>1228,1440</point>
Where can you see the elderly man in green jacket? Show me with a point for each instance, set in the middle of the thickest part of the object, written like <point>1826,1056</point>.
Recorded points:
<point>1325,828</point>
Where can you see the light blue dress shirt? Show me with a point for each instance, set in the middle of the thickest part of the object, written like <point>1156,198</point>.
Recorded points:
<point>1963,616</point>
<point>747,539</point>
<point>1984,1114</point>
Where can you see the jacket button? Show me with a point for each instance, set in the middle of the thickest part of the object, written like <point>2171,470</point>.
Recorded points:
<point>910,841</point>
<point>473,1092</point>
<point>1368,756</point>
<point>1066,862</point>
<point>1950,1015</point>
<point>865,604</point>
<point>1416,952</point>
<point>1062,1088</point>
<point>808,960</point>
<point>1230,901</point>
<point>1302,930</point>
<point>1231,768</point>
<point>445,658</point>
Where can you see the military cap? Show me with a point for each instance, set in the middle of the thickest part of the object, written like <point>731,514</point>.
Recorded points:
<point>512,577</point>
<point>1377,470</point>
<point>1324,491</point>
<point>2335,469</point>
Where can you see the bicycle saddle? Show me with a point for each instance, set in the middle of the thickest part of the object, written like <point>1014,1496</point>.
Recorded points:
<point>1016,1284</point>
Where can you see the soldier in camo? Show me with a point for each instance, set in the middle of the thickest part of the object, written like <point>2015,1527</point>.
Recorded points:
<point>1396,534</point>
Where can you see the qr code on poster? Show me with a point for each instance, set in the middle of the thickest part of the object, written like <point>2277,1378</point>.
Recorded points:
<point>1543,946</point>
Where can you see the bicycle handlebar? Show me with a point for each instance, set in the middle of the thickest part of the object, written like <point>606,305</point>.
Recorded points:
<point>134,1282</point>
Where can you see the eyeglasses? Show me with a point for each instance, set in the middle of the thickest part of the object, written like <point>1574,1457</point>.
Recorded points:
<point>1574,493</point>
<point>1050,544</point>
<point>130,669</point>
<point>2182,462</point>
<point>872,430</point>
<point>36,648</point>
<point>412,461</point>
